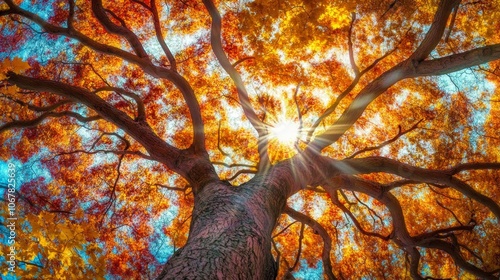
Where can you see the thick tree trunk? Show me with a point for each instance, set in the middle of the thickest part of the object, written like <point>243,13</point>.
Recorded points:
<point>230,234</point>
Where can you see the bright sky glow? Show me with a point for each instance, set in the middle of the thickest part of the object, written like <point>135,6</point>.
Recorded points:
<point>285,131</point>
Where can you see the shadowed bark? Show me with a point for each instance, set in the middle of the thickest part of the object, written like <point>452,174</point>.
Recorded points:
<point>230,233</point>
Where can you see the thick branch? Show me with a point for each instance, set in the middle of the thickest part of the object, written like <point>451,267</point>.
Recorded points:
<point>357,107</point>
<point>350,44</point>
<point>378,86</point>
<point>143,62</point>
<point>5,12</point>
<point>473,166</point>
<point>439,177</point>
<point>401,71</point>
<point>376,191</point>
<point>454,252</point>
<point>400,234</point>
<point>100,14</point>
<point>159,37</point>
<point>341,96</point>
<point>414,256</point>
<point>71,33</point>
<point>215,39</point>
<point>196,168</point>
<point>433,36</point>
<point>456,62</point>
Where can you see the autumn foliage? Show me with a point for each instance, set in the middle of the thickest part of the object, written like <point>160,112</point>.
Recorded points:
<point>118,114</point>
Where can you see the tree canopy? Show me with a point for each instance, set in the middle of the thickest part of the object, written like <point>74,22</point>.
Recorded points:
<point>117,114</point>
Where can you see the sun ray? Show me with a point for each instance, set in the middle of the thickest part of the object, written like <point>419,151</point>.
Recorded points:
<point>285,132</point>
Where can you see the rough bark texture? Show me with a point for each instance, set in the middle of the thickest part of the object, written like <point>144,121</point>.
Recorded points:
<point>230,233</point>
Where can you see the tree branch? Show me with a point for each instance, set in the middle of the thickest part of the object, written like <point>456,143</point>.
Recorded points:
<point>143,62</point>
<point>299,250</point>
<point>119,153</point>
<point>112,197</point>
<point>473,166</point>
<point>400,234</point>
<point>172,188</point>
<point>353,84</point>
<point>242,171</point>
<point>334,197</point>
<point>142,4</point>
<point>406,69</point>
<point>100,14</point>
<point>299,115</point>
<point>32,204</point>
<point>378,86</point>
<point>452,24</point>
<point>385,143</point>
<point>327,241</point>
<point>284,229</point>
<point>433,36</point>
<point>349,43</point>
<point>71,33</point>
<point>239,61</point>
<point>38,108</point>
<point>215,39</point>
<point>71,14</point>
<point>454,252</point>
<point>436,30</point>
<point>156,147</point>
<point>141,111</point>
<point>218,141</point>
<point>438,232</point>
<point>5,12</point>
<point>42,117</point>
<point>159,37</point>
<point>357,107</point>
<point>234,164</point>
<point>456,62</point>
<point>414,255</point>
<point>439,177</point>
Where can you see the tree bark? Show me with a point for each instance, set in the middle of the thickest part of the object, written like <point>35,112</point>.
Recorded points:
<point>230,232</point>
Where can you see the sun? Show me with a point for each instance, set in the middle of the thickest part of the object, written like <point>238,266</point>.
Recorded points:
<point>285,132</point>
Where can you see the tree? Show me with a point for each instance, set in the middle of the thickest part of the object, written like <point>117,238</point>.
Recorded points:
<point>359,138</point>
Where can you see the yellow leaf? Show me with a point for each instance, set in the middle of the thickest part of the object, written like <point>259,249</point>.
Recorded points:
<point>19,65</point>
<point>11,89</point>
<point>52,255</point>
<point>43,241</point>
<point>79,213</point>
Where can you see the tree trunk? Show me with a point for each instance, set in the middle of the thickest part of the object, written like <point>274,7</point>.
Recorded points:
<point>230,232</point>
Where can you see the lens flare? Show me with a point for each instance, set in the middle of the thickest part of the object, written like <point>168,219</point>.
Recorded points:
<point>285,132</point>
